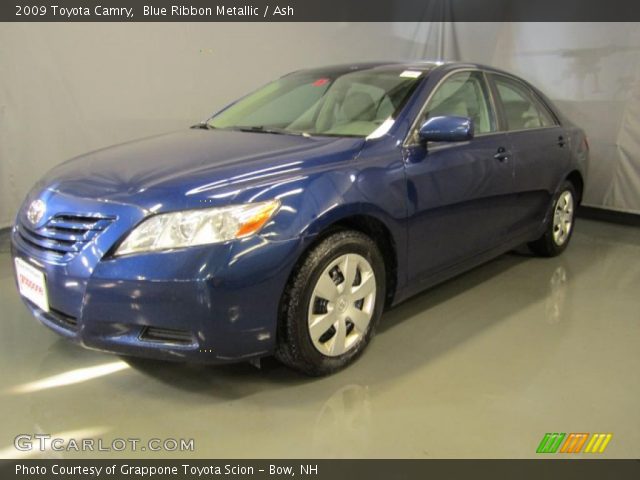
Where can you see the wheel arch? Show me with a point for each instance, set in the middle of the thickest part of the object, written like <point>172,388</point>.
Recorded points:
<point>377,231</point>
<point>367,223</point>
<point>577,180</point>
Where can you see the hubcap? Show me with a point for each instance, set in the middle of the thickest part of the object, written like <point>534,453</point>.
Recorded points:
<point>563,218</point>
<point>342,304</point>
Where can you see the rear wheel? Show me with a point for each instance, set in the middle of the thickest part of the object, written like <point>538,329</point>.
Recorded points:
<point>560,224</point>
<point>332,304</point>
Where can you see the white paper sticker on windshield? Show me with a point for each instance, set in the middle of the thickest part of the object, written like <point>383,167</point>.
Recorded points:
<point>411,74</point>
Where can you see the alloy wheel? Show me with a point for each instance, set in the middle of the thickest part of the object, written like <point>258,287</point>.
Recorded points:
<point>563,217</point>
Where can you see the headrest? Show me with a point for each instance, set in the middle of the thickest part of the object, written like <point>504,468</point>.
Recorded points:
<point>359,106</point>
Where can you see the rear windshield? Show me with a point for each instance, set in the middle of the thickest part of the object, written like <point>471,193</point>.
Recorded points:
<point>347,104</point>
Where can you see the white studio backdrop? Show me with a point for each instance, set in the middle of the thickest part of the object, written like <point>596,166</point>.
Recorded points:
<point>66,89</point>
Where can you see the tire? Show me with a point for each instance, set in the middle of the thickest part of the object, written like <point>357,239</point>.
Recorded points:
<point>316,333</point>
<point>560,224</point>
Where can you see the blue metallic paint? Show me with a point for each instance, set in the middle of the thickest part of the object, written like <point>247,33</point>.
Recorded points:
<point>228,294</point>
<point>446,129</point>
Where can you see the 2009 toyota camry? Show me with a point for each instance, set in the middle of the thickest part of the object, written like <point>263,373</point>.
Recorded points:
<point>288,221</point>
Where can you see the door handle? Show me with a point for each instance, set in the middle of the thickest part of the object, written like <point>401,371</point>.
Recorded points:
<point>501,155</point>
<point>561,141</point>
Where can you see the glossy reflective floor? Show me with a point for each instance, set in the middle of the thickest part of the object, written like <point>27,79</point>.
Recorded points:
<point>481,366</point>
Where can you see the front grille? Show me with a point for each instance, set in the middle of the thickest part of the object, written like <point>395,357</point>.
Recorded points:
<point>64,235</point>
<point>166,335</point>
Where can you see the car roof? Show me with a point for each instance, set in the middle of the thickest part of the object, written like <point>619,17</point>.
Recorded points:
<point>420,65</point>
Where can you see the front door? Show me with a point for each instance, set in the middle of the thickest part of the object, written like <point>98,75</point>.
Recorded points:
<point>459,192</point>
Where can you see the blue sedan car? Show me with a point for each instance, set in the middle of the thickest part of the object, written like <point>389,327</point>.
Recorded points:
<point>286,223</point>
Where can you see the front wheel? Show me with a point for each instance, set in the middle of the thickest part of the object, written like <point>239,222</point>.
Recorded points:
<point>560,225</point>
<point>332,303</point>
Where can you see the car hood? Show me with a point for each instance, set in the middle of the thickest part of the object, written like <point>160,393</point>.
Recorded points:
<point>191,163</point>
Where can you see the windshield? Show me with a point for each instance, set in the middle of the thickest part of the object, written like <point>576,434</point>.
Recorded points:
<point>322,103</point>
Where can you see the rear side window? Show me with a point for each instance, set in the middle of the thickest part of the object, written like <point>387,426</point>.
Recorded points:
<point>521,108</point>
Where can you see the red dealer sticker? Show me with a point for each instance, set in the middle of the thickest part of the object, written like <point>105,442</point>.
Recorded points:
<point>320,82</point>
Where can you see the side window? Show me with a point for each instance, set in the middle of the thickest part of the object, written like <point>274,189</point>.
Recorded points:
<point>521,110</point>
<point>463,94</point>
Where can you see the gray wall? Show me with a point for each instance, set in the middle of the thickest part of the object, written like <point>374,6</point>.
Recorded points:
<point>69,88</point>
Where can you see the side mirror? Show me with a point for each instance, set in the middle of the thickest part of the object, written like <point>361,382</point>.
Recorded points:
<point>446,129</point>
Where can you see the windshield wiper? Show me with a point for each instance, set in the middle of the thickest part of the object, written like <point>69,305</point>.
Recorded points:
<point>203,126</point>
<point>262,129</point>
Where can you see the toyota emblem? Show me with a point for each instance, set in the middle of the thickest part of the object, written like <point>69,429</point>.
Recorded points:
<point>36,211</point>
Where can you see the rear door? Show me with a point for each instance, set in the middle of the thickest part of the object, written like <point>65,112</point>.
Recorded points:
<point>459,192</point>
<point>539,148</point>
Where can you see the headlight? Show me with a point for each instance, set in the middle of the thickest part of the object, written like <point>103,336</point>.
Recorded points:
<point>197,227</point>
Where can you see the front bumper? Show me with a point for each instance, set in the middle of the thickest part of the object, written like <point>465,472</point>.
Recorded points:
<point>207,304</point>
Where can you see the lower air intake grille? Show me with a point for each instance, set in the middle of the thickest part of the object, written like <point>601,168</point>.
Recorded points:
<point>166,335</point>
<point>62,319</point>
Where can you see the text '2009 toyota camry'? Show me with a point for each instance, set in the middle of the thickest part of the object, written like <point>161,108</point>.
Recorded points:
<point>286,223</point>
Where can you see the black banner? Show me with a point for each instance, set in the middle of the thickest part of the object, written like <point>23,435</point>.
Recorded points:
<point>319,10</point>
<point>318,469</point>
